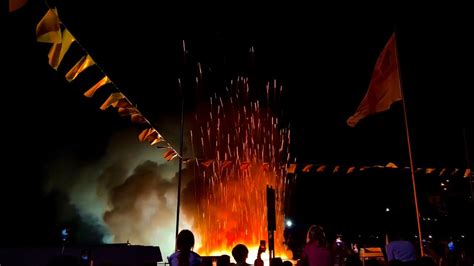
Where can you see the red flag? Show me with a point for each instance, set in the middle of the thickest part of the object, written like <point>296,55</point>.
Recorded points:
<point>384,88</point>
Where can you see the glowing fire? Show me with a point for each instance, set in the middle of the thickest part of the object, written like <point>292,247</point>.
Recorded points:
<point>244,151</point>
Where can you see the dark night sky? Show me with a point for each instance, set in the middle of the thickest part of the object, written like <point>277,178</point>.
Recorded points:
<point>323,56</point>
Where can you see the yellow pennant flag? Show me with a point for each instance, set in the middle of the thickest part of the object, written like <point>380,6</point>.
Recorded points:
<point>391,165</point>
<point>90,92</point>
<point>58,50</point>
<point>157,140</point>
<point>113,100</point>
<point>85,62</point>
<point>16,4</point>
<point>48,29</point>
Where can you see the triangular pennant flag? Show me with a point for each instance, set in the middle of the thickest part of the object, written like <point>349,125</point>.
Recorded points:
<point>145,134</point>
<point>58,50</point>
<point>336,169</point>
<point>307,168</point>
<point>138,118</point>
<point>322,168</point>
<point>391,165</point>
<point>85,62</point>
<point>113,99</point>
<point>291,169</point>
<point>467,173</point>
<point>351,169</point>
<point>170,154</point>
<point>429,170</point>
<point>90,92</point>
<point>455,171</point>
<point>124,111</point>
<point>444,171</point>
<point>157,140</point>
<point>48,29</point>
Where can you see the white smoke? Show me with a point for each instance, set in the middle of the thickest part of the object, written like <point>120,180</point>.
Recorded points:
<point>128,195</point>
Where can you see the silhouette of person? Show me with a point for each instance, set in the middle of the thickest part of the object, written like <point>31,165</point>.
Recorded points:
<point>400,249</point>
<point>315,252</point>
<point>184,255</point>
<point>240,253</point>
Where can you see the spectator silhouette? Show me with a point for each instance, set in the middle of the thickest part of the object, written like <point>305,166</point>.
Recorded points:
<point>184,256</point>
<point>400,249</point>
<point>315,252</point>
<point>240,253</point>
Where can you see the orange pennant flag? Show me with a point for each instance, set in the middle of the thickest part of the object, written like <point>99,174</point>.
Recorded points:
<point>307,168</point>
<point>90,92</point>
<point>58,50</point>
<point>124,111</point>
<point>170,154</point>
<point>146,133</point>
<point>322,168</point>
<point>351,169</point>
<point>391,165</point>
<point>384,88</point>
<point>226,164</point>
<point>138,118</point>
<point>16,4</point>
<point>113,100</point>
<point>157,140</point>
<point>467,173</point>
<point>85,62</point>
<point>48,29</point>
<point>291,169</point>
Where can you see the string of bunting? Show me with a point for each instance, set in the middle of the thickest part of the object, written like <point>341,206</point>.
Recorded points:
<point>52,30</point>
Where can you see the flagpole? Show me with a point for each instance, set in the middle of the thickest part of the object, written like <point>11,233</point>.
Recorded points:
<point>181,133</point>
<point>181,157</point>
<point>420,236</point>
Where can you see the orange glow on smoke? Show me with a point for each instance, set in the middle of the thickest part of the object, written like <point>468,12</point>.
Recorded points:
<point>248,152</point>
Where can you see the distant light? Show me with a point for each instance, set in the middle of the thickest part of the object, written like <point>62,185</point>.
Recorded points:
<point>387,209</point>
<point>445,189</point>
<point>462,236</point>
<point>424,219</point>
<point>416,236</point>
<point>436,219</point>
<point>447,180</point>
<point>289,223</point>
<point>430,236</point>
<point>429,219</point>
<point>442,184</point>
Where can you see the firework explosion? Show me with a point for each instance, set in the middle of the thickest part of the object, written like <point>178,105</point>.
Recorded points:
<point>244,150</point>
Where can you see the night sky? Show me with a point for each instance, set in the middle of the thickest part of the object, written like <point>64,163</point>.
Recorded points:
<point>323,57</point>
